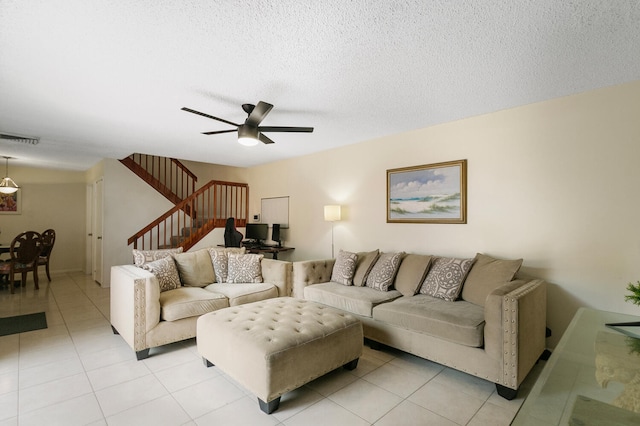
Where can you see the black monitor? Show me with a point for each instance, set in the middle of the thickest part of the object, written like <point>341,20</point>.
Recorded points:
<point>257,231</point>
<point>275,233</point>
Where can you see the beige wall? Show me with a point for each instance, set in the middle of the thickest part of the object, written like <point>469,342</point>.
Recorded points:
<point>555,183</point>
<point>50,199</point>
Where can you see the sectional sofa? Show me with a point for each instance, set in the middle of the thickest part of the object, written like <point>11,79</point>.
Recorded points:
<point>159,298</point>
<point>475,315</point>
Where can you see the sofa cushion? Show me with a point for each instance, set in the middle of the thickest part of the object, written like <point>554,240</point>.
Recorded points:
<point>140,257</point>
<point>365,262</point>
<point>244,268</point>
<point>411,274</point>
<point>186,302</point>
<point>195,268</point>
<point>384,271</point>
<point>357,300</point>
<point>344,268</point>
<point>486,275</point>
<point>165,271</point>
<point>445,278</point>
<point>239,294</point>
<point>459,322</point>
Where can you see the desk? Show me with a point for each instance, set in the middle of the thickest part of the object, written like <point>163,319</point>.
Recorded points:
<point>268,250</point>
<point>591,377</point>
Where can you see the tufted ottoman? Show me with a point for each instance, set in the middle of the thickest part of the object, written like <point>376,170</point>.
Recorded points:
<point>277,345</point>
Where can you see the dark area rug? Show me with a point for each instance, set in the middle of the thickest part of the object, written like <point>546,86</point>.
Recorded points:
<point>22,323</point>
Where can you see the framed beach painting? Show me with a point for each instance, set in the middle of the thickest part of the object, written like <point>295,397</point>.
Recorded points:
<point>431,193</point>
<point>10,203</point>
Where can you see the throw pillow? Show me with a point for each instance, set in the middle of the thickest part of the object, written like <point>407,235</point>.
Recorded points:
<point>140,257</point>
<point>486,275</point>
<point>384,271</point>
<point>244,268</point>
<point>363,266</point>
<point>219,259</point>
<point>195,268</point>
<point>413,270</point>
<point>445,278</point>
<point>165,271</point>
<point>344,268</point>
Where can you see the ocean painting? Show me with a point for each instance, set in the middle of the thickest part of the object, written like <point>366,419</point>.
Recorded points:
<point>434,193</point>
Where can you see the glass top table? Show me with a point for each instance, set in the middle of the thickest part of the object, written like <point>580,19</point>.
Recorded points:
<point>591,378</point>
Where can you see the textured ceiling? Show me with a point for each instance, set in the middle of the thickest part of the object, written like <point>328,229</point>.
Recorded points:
<point>97,79</point>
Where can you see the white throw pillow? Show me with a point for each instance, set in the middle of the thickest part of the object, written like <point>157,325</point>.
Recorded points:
<point>384,271</point>
<point>344,268</point>
<point>244,268</point>
<point>165,271</point>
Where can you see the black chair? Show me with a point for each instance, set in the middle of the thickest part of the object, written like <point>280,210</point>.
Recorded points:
<point>232,237</point>
<point>24,252</point>
<point>48,239</point>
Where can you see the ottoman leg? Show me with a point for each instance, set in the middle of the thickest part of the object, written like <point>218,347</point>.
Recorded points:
<point>351,365</point>
<point>269,407</point>
<point>206,362</point>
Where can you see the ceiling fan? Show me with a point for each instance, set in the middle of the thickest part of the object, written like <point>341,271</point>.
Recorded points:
<point>251,132</point>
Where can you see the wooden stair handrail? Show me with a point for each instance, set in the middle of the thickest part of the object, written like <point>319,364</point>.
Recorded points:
<point>158,173</point>
<point>213,204</point>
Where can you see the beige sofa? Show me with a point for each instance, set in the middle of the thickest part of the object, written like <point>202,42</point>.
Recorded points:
<point>494,327</point>
<point>159,299</point>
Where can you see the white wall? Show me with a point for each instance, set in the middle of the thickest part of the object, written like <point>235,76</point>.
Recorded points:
<point>555,183</point>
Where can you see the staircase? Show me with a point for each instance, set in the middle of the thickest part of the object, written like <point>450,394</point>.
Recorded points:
<point>195,214</point>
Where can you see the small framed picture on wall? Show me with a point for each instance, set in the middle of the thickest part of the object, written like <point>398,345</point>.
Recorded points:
<point>10,203</point>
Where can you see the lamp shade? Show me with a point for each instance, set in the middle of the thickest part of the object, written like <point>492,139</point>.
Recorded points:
<point>248,136</point>
<point>7,185</point>
<point>332,213</point>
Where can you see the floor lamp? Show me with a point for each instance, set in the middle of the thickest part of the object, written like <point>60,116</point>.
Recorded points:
<point>332,214</point>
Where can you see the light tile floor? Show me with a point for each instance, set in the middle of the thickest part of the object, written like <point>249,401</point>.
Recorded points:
<point>77,372</point>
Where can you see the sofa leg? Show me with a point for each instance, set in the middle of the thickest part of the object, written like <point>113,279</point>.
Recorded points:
<point>269,407</point>
<point>140,355</point>
<point>351,365</point>
<point>376,346</point>
<point>206,362</point>
<point>506,393</point>
<point>114,330</point>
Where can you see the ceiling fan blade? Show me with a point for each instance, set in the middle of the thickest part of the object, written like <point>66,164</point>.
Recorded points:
<point>217,132</point>
<point>264,139</point>
<point>258,114</point>
<point>285,129</point>
<point>193,111</point>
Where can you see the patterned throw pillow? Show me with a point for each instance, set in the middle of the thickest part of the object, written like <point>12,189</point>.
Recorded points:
<point>140,257</point>
<point>445,278</point>
<point>220,258</point>
<point>165,271</point>
<point>344,268</point>
<point>384,271</point>
<point>244,268</point>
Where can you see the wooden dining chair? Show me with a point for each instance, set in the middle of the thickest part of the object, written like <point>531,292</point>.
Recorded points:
<point>48,239</point>
<point>24,252</point>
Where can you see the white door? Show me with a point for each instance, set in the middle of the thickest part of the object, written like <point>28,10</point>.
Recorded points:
<point>97,232</point>
<point>88,265</point>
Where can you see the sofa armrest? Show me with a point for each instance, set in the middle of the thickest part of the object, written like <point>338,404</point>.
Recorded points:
<point>310,272</point>
<point>277,272</point>
<point>515,327</point>
<point>135,304</point>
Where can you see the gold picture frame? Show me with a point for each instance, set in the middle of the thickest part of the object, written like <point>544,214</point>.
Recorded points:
<point>431,193</point>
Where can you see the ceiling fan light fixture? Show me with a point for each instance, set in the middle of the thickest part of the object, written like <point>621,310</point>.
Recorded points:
<point>7,185</point>
<point>248,136</point>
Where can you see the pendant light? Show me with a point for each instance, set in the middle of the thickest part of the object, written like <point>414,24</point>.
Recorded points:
<point>8,186</point>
